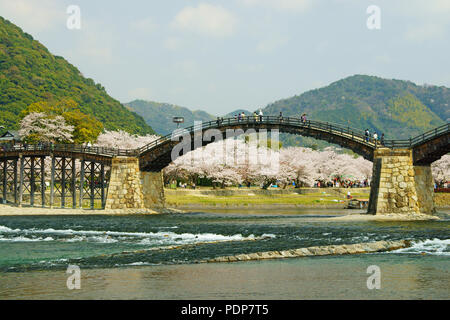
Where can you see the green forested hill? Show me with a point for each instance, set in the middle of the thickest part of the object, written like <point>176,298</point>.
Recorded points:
<point>400,109</point>
<point>159,115</point>
<point>30,73</point>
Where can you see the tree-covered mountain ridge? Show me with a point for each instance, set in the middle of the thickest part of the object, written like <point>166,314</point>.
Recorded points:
<point>29,73</point>
<point>398,108</point>
<point>160,115</point>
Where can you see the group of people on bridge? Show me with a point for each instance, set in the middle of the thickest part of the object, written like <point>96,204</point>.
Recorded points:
<point>375,138</point>
<point>257,117</point>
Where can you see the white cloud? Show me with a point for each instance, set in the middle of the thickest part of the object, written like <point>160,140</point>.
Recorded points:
<point>383,58</point>
<point>435,6</point>
<point>297,5</point>
<point>272,43</point>
<point>139,93</point>
<point>425,32</point>
<point>206,19</point>
<point>172,43</point>
<point>429,19</point>
<point>146,25</point>
<point>34,16</point>
<point>95,42</point>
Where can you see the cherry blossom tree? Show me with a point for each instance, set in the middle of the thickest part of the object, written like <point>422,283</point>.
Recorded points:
<point>123,140</point>
<point>441,170</point>
<point>38,126</point>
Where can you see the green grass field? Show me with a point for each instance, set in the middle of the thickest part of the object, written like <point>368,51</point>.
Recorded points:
<point>248,198</point>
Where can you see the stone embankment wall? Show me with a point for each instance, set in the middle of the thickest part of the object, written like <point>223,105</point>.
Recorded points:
<point>379,246</point>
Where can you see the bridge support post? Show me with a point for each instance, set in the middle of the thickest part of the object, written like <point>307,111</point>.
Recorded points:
<point>4,180</point>
<point>424,183</point>
<point>21,179</point>
<point>15,182</point>
<point>125,190</point>
<point>52,182</point>
<point>129,188</point>
<point>398,186</point>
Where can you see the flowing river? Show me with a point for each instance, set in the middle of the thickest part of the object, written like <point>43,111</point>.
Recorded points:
<point>154,257</point>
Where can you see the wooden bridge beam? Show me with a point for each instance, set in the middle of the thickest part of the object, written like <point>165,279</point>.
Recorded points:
<point>15,181</point>
<point>43,186</point>
<point>52,181</point>
<point>22,172</point>
<point>32,180</point>
<point>73,184</point>
<point>4,179</point>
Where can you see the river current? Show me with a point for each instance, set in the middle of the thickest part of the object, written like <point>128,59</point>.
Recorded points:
<point>154,256</point>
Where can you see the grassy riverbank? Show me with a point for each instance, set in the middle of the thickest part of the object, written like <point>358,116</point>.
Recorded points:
<point>255,197</point>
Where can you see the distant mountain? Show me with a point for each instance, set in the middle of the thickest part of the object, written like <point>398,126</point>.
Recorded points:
<point>236,112</point>
<point>159,115</point>
<point>400,109</point>
<point>30,73</point>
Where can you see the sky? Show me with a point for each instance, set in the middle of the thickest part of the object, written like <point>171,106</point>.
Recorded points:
<point>219,56</point>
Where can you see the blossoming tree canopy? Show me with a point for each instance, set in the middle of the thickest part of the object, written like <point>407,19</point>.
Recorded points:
<point>39,127</point>
<point>235,161</point>
<point>85,127</point>
<point>123,140</point>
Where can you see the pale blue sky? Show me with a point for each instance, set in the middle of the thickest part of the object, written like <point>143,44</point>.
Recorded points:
<point>222,55</point>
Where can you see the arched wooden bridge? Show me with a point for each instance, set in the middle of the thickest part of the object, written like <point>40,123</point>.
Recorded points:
<point>79,176</point>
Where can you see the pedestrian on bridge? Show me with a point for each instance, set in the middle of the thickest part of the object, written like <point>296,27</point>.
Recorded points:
<point>367,135</point>
<point>303,118</point>
<point>382,139</point>
<point>260,115</point>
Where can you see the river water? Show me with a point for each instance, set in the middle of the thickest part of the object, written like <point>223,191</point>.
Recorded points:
<point>129,257</point>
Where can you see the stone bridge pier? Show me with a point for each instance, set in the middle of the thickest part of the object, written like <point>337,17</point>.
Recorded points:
<point>130,188</point>
<point>399,186</point>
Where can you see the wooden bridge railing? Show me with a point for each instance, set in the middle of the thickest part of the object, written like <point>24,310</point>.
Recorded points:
<point>72,148</point>
<point>339,130</point>
<point>336,129</point>
<point>422,138</point>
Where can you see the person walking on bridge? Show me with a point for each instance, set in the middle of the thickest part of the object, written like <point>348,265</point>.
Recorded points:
<point>260,115</point>
<point>280,117</point>
<point>303,118</point>
<point>255,116</point>
<point>367,135</point>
